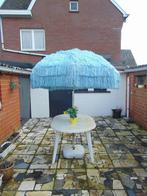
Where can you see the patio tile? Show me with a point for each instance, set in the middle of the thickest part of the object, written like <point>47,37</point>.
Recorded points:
<point>39,193</point>
<point>20,193</point>
<point>101,161</point>
<point>119,169</point>
<point>26,185</point>
<point>142,159</point>
<point>26,149</point>
<point>106,132</point>
<point>103,179</point>
<point>46,149</point>
<point>110,140</point>
<point>44,179</point>
<point>123,160</point>
<point>8,193</point>
<point>71,179</point>
<point>70,193</point>
<point>21,161</point>
<point>41,162</point>
<point>116,148</point>
<point>129,139</point>
<point>134,179</point>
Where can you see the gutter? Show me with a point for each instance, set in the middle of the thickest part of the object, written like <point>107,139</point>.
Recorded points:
<point>15,13</point>
<point>11,50</point>
<point>139,68</point>
<point>13,70</point>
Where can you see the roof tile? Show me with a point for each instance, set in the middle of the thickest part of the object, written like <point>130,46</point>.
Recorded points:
<point>16,4</point>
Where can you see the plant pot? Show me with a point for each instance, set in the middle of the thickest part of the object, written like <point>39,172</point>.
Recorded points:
<point>6,168</point>
<point>73,121</point>
<point>116,113</point>
<point>1,179</point>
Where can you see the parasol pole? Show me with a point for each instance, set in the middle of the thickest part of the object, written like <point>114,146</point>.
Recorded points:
<point>73,100</point>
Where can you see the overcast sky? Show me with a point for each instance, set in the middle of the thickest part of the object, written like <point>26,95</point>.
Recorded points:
<point>134,33</point>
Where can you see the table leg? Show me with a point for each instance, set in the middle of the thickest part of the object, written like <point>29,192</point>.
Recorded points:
<point>88,134</point>
<point>57,139</point>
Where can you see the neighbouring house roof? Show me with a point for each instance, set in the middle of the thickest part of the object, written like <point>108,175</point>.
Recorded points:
<point>126,60</point>
<point>16,4</point>
<point>15,67</point>
<point>136,68</point>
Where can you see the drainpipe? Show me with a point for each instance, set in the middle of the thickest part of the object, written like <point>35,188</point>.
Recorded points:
<point>128,96</point>
<point>11,50</point>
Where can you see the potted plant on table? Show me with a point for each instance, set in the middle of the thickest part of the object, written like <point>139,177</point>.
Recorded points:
<point>73,114</point>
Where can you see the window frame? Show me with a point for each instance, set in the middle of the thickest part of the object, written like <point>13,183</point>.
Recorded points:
<point>70,7</point>
<point>92,90</point>
<point>137,78</point>
<point>32,31</point>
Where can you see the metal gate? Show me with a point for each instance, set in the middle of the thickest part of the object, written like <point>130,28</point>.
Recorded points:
<point>59,101</point>
<point>25,108</point>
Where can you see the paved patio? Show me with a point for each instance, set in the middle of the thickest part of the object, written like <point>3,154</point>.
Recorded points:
<point>120,167</point>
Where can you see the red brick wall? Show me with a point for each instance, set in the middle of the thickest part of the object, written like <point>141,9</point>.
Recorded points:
<point>138,102</point>
<point>97,26</point>
<point>10,113</point>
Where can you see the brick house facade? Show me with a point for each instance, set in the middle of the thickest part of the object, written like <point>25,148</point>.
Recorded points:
<point>138,95</point>
<point>10,112</point>
<point>95,26</point>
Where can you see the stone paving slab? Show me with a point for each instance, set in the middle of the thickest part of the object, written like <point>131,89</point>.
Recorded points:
<point>119,168</point>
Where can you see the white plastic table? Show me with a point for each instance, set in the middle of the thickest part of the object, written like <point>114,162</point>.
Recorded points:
<point>61,124</point>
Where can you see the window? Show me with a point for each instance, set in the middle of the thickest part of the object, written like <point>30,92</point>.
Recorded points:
<point>73,6</point>
<point>140,81</point>
<point>92,90</point>
<point>32,39</point>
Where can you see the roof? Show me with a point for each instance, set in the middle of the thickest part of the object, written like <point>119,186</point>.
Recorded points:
<point>16,4</point>
<point>16,64</point>
<point>14,70</point>
<point>125,15</point>
<point>126,60</point>
<point>136,68</point>
<point>28,4</point>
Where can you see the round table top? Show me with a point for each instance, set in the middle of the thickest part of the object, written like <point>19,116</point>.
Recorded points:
<point>62,124</point>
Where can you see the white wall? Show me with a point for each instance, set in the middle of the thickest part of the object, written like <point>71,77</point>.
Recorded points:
<point>39,103</point>
<point>101,104</point>
<point>94,104</point>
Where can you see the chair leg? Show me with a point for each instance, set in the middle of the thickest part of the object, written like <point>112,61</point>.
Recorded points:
<point>57,140</point>
<point>88,134</point>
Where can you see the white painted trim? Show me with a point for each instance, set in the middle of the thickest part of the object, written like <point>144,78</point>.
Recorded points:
<point>32,31</point>
<point>31,4</point>
<point>139,68</point>
<point>13,70</point>
<point>125,15</point>
<point>77,6</point>
<point>15,12</point>
<point>1,31</point>
<point>11,50</point>
<point>23,52</point>
<point>128,96</point>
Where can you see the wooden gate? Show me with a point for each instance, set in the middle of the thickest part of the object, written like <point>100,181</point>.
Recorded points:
<point>59,101</point>
<point>25,108</point>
